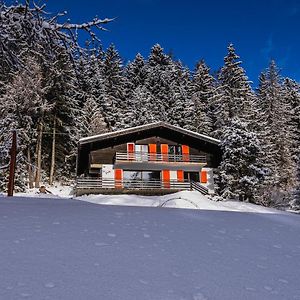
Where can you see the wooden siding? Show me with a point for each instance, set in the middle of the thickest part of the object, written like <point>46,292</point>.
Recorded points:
<point>103,152</point>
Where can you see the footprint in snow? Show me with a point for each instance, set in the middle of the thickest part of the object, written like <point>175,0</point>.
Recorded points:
<point>111,235</point>
<point>283,280</point>
<point>101,244</point>
<point>143,281</point>
<point>199,296</point>
<point>146,235</point>
<point>25,295</point>
<point>50,285</point>
<point>174,274</point>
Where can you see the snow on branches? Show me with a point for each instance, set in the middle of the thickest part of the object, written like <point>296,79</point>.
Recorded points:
<point>28,27</point>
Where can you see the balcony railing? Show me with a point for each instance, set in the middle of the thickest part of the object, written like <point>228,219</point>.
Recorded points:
<point>88,183</point>
<point>159,157</point>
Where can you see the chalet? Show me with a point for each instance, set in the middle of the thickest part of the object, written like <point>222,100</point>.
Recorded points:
<point>155,158</point>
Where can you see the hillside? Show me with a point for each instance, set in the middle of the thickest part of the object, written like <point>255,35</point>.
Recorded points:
<point>67,249</point>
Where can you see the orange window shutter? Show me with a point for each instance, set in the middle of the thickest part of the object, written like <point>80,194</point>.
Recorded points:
<point>185,152</point>
<point>185,149</point>
<point>166,178</point>
<point>152,151</point>
<point>203,176</point>
<point>180,176</point>
<point>152,148</point>
<point>164,148</point>
<point>118,178</point>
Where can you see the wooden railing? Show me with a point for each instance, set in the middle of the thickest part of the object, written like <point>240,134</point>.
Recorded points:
<point>197,186</point>
<point>158,157</point>
<point>99,183</point>
<point>89,183</point>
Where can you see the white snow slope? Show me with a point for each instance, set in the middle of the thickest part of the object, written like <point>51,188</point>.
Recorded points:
<point>67,249</point>
<point>184,199</point>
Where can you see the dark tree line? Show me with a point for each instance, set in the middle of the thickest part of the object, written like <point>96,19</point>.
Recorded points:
<point>54,92</point>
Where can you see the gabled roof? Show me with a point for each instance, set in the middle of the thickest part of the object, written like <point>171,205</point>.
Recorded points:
<point>113,134</point>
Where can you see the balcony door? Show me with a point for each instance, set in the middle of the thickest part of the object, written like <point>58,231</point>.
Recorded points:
<point>141,152</point>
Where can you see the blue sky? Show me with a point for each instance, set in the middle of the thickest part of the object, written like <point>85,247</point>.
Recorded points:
<point>260,30</point>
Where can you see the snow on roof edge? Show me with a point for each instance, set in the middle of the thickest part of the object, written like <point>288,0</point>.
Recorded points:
<point>145,126</point>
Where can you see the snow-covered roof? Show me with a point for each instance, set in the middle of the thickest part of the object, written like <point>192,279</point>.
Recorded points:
<point>109,135</point>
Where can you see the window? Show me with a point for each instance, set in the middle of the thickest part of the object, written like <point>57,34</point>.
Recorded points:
<point>174,153</point>
<point>151,175</point>
<point>174,149</point>
<point>192,176</point>
<point>132,179</point>
<point>132,175</point>
<point>141,152</point>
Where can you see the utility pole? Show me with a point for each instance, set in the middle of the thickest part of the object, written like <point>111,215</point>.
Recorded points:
<point>12,165</point>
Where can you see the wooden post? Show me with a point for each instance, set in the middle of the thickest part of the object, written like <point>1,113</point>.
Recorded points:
<point>52,165</point>
<point>12,166</point>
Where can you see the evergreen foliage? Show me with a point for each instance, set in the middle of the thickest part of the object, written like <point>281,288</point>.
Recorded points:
<point>240,171</point>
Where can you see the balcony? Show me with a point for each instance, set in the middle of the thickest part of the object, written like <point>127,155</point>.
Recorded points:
<point>122,157</point>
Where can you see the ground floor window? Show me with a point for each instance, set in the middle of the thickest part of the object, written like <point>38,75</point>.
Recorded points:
<point>192,176</point>
<point>141,175</point>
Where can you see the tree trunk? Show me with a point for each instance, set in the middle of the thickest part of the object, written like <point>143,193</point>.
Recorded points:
<point>51,177</point>
<point>30,173</point>
<point>39,155</point>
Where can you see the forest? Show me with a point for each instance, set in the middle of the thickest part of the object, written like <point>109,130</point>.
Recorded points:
<point>53,91</point>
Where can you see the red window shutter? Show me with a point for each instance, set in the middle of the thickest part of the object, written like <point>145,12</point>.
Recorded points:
<point>185,152</point>
<point>118,178</point>
<point>185,149</point>
<point>180,176</point>
<point>166,178</point>
<point>130,147</point>
<point>152,151</point>
<point>152,148</point>
<point>130,151</point>
<point>203,176</point>
<point>164,149</point>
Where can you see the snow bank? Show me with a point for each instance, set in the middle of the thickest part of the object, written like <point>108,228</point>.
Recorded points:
<point>184,199</point>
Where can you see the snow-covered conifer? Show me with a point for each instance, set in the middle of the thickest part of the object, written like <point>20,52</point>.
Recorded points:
<point>203,90</point>
<point>113,100</point>
<point>240,172</point>
<point>237,95</point>
<point>276,137</point>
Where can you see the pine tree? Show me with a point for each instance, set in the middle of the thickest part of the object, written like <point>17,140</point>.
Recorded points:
<point>180,107</point>
<point>295,203</point>
<point>275,134</point>
<point>92,121</point>
<point>23,107</point>
<point>203,91</point>
<point>114,101</point>
<point>241,173</point>
<point>236,98</point>
<point>141,101</point>
<point>158,79</point>
<point>136,72</point>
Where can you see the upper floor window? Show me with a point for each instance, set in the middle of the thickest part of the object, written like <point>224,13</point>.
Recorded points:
<point>175,150</point>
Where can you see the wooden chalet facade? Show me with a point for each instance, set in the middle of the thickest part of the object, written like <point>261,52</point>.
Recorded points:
<point>150,159</point>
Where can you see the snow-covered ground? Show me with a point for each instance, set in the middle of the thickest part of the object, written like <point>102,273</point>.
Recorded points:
<point>184,199</point>
<point>69,249</point>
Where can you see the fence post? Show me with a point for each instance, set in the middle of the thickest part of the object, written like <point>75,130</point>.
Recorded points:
<point>12,165</point>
